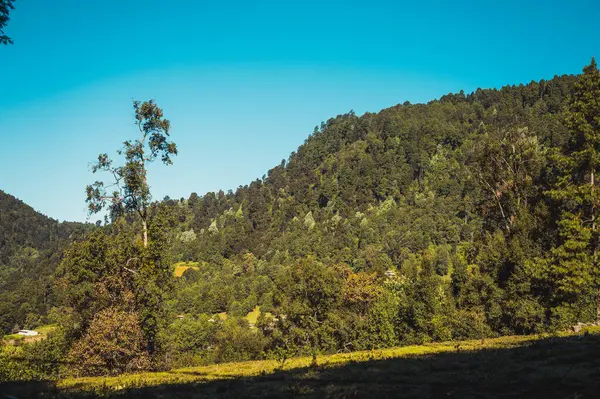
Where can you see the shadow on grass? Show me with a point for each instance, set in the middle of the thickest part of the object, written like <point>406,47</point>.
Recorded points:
<point>566,367</point>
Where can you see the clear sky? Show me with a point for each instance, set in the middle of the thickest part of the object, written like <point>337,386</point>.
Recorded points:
<point>245,82</point>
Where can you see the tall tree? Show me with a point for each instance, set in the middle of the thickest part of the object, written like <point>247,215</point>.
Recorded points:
<point>131,192</point>
<point>577,183</point>
<point>506,165</point>
<point>5,8</point>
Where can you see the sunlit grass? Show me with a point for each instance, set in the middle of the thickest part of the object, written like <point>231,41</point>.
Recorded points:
<point>222,315</point>
<point>264,367</point>
<point>252,316</point>
<point>181,267</point>
<point>46,329</point>
<point>14,337</point>
<point>43,332</point>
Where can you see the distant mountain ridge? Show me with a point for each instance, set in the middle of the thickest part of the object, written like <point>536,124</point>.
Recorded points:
<point>21,225</point>
<point>31,246</point>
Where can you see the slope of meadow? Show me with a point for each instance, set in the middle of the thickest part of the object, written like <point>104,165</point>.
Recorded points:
<point>517,366</point>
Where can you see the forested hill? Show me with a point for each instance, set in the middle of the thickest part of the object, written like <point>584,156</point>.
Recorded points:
<point>434,221</point>
<point>22,226</point>
<point>30,250</point>
<point>434,165</point>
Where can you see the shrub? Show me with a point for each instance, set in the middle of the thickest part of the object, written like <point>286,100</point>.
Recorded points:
<point>113,344</point>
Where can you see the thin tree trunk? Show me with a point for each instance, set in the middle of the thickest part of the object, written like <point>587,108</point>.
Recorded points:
<point>504,217</point>
<point>145,232</point>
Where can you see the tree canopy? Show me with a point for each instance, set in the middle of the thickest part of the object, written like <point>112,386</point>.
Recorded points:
<point>131,191</point>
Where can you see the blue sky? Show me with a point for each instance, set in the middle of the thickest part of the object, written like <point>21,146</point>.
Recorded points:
<point>245,82</point>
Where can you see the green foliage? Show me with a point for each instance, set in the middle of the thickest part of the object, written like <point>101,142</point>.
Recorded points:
<point>6,6</point>
<point>574,270</point>
<point>30,248</point>
<point>471,216</point>
<point>40,360</point>
<point>131,190</point>
<point>94,274</point>
<point>236,342</point>
<point>189,341</point>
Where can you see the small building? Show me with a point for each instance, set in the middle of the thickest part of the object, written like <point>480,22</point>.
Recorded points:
<point>28,333</point>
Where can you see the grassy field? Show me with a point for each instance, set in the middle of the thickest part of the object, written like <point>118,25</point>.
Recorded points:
<point>181,267</point>
<point>566,366</point>
<point>42,330</point>
<point>251,317</point>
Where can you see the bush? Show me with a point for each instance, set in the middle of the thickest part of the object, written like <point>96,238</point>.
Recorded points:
<point>189,341</point>
<point>39,361</point>
<point>113,344</point>
<point>237,342</point>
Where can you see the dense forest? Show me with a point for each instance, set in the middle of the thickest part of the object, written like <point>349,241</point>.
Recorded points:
<point>30,250</point>
<point>471,216</point>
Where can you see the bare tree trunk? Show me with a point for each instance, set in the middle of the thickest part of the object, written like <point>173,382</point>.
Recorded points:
<point>504,217</point>
<point>145,233</point>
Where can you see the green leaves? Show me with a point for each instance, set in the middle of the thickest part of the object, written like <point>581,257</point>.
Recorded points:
<point>6,6</point>
<point>132,192</point>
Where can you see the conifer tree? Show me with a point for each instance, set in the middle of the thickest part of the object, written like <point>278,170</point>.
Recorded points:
<point>575,267</point>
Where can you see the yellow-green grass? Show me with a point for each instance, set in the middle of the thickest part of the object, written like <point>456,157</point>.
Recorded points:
<point>263,367</point>
<point>260,367</point>
<point>252,316</point>
<point>43,332</point>
<point>181,267</point>
<point>46,329</point>
<point>562,365</point>
<point>14,337</point>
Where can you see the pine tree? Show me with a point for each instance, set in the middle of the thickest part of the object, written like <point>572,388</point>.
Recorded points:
<point>576,266</point>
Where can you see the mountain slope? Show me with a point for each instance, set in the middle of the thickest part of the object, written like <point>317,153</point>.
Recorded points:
<point>30,250</point>
<point>352,163</point>
<point>22,226</point>
<point>431,221</point>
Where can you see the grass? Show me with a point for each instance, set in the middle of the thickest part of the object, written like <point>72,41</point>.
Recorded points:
<point>565,366</point>
<point>46,330</point>
<point>262,367</point>
<point>42,330</point>
<point>222,315</point>
<point>181,267</point>
<point>14,337</point>
<point>252,316</point>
